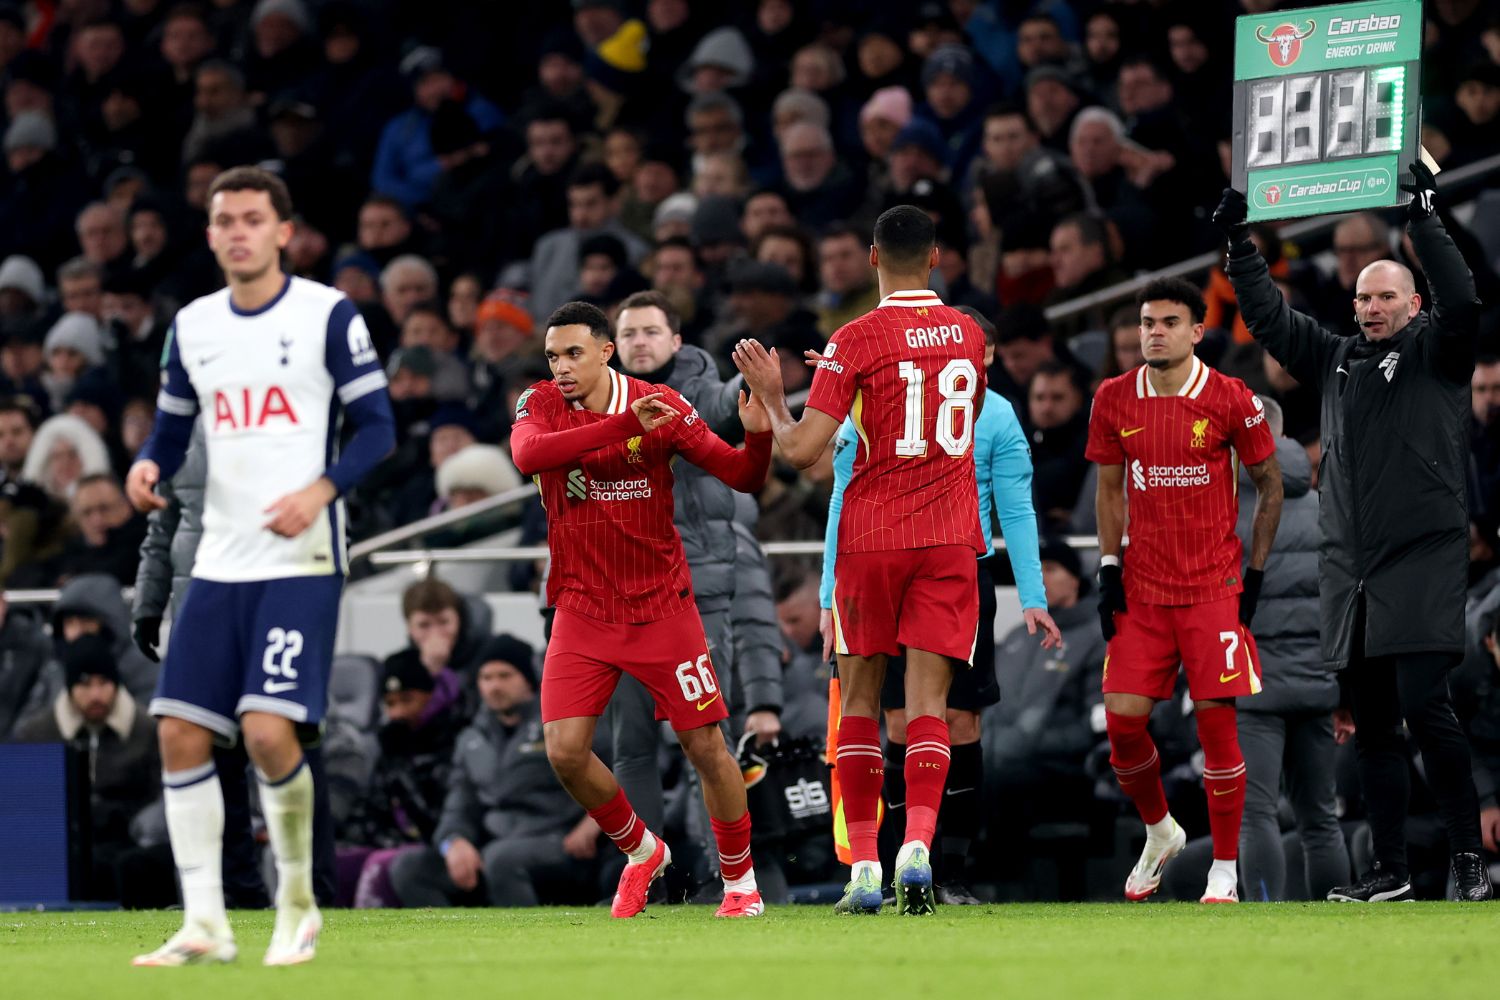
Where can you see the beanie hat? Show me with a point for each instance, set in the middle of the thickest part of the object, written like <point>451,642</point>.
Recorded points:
<point>31,130</point>
<point>89,656</point>
<point>621,58</point>
<point>507,648</point>
<point>955,60</point>
<point>404,672</point>
<point>717,220</point>
<point>80,332</point>
<point>679,206</point>
<point>477,467</point>
<point>292,10</point>
<point>890,103</point>
<point>723,47</point>
<point>506,306</point>
<point>22,274</point>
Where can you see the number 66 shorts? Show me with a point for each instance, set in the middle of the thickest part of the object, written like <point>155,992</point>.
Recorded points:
<point>585,658</point>
<point>257,646</point>
<point>1208,640</point>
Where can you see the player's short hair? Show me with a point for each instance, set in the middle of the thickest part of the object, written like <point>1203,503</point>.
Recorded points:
<point>905,236</point>
<point>582,314</point>
<point>1173,290</point>
<point>983,321</point>
<point>255,179</point>
<point>590,174</point>
<point>431,596</point>
<point>652,299</point>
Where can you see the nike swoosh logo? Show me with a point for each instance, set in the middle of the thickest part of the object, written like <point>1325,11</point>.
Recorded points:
<point>1131,430</point>
<point>1226,791</point>
<point>957,791</point>
<point>209,358</point>
<point>704,704</point>
<point>1225,680</point>
<point>277,687</point>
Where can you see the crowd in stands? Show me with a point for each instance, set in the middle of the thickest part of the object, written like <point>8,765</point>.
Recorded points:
<point>461,169</point>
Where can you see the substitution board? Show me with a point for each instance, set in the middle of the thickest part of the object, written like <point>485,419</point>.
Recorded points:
<point>1326,107</point>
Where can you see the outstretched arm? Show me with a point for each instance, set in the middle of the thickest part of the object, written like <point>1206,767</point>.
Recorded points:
<point>801,441</point>
<point>536,448</point>
<point>743,469</point>
<point>1455,307</point>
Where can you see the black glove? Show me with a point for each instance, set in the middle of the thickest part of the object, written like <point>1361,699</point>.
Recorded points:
<point>1230,218</point>
<point>148,637</point>
<point>1111,599</point>
<point>1423,192</point>
<point>1250,596</point>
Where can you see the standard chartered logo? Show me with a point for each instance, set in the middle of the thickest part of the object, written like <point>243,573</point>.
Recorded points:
<point>578,485</point>
<point>1159,476</point>
<point>580,488</point>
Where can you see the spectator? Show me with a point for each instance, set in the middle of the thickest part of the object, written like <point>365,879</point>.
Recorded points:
<point>1017,173</point>
<point>64,450</point>
<point>24,651</point>
<point>1359,240</point>
<point>282,55</point>
<point>21,365</point>
<point>502,342</point>
<point>715,124</point>
<point>22,289</point>
<point>92,605</point>
<point>101,235</point>
<point>1468,126</point>
<point>404,283</point>
<point>847,281</point>
<point>675,273</point>
<point>509,833</point>
<point>1124,349</point>
<point>474,473</point>
<point>761,298</point>
<point>110,533</point>
<point>763,210</point>
<point>224,121</point>
<point>384,230</point>
<point>40,191</point>
<point>882,118</point>
<point>400,813</point>
<point>791,248</point>
<point>1025,342</point>
<point>426,325</point>
<point>1037,737</point>
<point>540,179</point>
<point>406,167</point>
<point>1057,420</point>
<point>593,209</point>
<point>721,174</point>
<point>440,631</point>
<point>818,188</point>
<point>1082,262</point>
<point>17,430</point>
<point>1052,100</point>
<point>98,718</point>
<point>918,153</point>
<point>948,82</point>
<point>721,61</point>
<point>1288,728</point>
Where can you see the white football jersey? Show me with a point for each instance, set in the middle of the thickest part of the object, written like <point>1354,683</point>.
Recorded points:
<point>268,384</point>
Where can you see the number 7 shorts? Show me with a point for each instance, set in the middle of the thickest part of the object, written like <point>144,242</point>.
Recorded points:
<point>585,658</point>
<point>1151,640</point>
<point>258,646</point>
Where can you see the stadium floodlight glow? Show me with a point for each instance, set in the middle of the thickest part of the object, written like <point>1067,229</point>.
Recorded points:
<point>1323,119</point>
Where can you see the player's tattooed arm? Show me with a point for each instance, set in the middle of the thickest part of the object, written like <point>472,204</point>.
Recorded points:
<point>1268,496</point>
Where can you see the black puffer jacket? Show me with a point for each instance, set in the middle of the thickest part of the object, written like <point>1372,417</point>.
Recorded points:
<point>1286,620</point>
<point>1395,549</point>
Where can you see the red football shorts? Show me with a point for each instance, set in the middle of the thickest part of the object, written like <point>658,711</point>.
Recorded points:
<point>884,602</point>
<point>585,658</point>
<point>1207,640</point>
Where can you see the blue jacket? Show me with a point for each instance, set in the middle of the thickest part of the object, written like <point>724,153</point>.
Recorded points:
<point>406,168</point>
<point>1002,464</point>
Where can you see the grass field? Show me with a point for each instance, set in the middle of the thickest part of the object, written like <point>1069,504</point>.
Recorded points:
<point>1093,951</point>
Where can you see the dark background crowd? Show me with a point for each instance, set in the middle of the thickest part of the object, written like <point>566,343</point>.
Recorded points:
<point>460,169</point>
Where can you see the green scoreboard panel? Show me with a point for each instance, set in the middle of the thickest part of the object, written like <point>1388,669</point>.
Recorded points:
<point>1326,107</point>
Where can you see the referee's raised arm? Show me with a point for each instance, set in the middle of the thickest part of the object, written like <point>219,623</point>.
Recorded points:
<point>1296,340</point>
<point>1454,312</point>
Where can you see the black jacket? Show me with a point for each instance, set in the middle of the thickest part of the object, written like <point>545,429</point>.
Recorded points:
<point>1395,455</point>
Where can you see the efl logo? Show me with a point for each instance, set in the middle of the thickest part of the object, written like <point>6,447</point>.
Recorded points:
<point>1284,43</point>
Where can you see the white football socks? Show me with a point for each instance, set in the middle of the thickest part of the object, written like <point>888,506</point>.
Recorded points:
<point>195,823</point>
<point>288,808</point>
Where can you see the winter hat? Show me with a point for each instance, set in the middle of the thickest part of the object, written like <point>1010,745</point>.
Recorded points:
<point>453,415</point>
<point>420,61</point>
<point>96,388</point>
<point>89,656</point>
<point>1058,551</point>
<point>890,103</point>
<point>31,130</point>
<point>21,273</point>
<point>404,672</point>
<point>724,47</point>
<point>955,60</point>
<point>678,207</point>
<point>925,136</point>
<point>418,359</point>
<point>483,467</point>
<point>78,331</point>
<point>620,59</point>
<point>358,259</point>
<point>506,648</point>
<point>292,10</point>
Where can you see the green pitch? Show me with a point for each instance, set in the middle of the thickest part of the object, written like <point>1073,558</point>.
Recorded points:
<point>1049,951</point>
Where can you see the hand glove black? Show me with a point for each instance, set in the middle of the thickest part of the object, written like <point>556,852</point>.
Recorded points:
<point>1423,192</point>
<point>1230,217</point>
<point>1250,596</point>
<point>148,637</point>
<point>1111,599</point>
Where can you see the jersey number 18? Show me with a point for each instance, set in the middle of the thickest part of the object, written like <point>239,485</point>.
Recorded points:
<point>955,416</point>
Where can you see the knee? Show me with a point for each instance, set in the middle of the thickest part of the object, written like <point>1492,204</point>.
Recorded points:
<point>704,748</point>
<point>569,759</point>
<point>963,727</point>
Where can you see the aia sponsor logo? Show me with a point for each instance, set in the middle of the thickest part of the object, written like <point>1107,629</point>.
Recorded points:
<point>251,409</point>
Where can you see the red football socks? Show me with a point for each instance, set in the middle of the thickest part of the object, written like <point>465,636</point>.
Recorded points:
<point>927,756</point>
<point>733,839</point>
<point>1137,766</point>
<point>1223,778</point>
<point>861,772</point>
<point>620,823</point>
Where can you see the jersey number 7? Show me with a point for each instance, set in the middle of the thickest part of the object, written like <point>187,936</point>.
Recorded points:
<point>956,383</point>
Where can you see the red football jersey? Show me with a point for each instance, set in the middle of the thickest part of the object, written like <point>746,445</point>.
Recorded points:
<point>908,373</point>
<point>1181,456</point>
<point>616,556</point>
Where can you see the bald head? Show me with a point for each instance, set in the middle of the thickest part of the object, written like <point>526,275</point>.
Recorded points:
<point>1385,299</point>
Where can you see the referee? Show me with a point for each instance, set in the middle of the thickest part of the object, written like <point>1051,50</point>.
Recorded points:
<point>1394,556</point>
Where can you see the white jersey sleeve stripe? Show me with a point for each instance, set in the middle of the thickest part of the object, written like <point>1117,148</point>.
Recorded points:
<point>362,386</point>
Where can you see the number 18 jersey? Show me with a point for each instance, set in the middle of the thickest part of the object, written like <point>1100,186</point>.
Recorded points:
<point>907,374</point>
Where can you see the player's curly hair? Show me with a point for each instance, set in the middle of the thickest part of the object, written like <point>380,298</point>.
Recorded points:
<point>581,314</point>
<point>1174,290</point>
